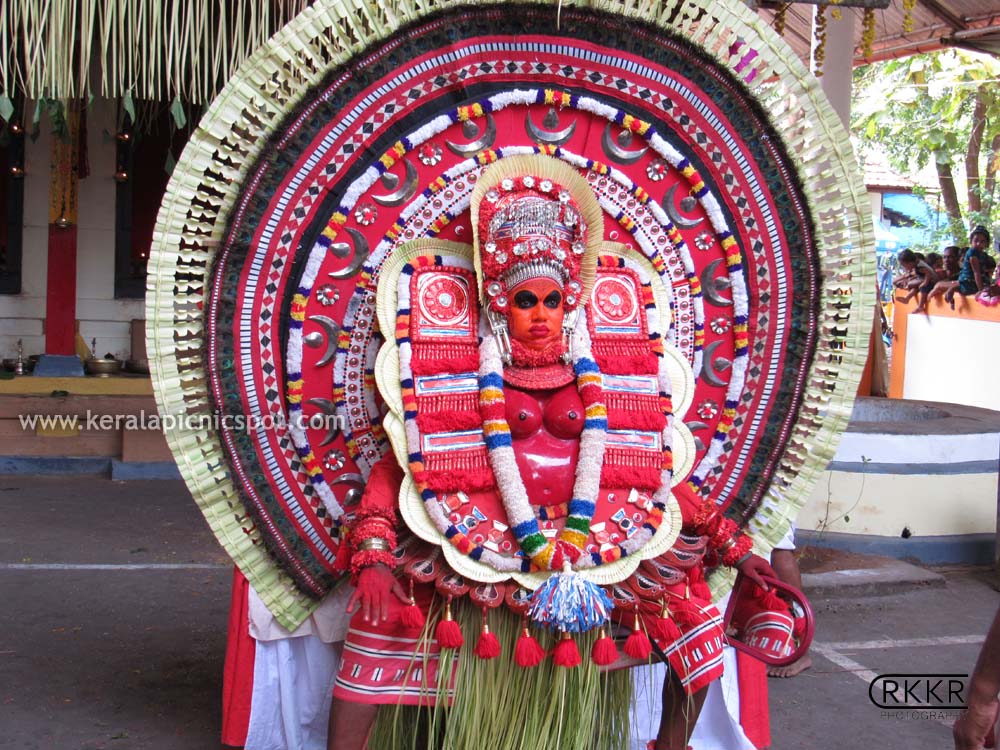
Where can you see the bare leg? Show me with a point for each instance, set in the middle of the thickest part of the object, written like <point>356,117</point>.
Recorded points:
<point>680,712</point>
<point>787,567</point>
<point>940,288</point>
<point>922,301</point>
<point>350,724</point>
<point>949,296</point>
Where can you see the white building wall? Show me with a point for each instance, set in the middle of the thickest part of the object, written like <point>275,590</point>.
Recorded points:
<point>22,315</point>
<point>101,316</point>
<point>955,360</point>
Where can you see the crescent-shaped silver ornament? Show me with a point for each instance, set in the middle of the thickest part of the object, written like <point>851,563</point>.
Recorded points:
<point>544,134</point>
<point>342,250</point>
<point>710,363</point>
<point>617,149</point>
<point>405,191</point>
<point>356,485</point>
<point>675,215</point>
<point>711,286</point>
<point>699,444</point>
<point>471,130</point>
<point>329,410</point>
<point>332,331</point>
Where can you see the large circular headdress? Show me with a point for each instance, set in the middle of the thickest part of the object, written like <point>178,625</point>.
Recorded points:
<point>361,127</point>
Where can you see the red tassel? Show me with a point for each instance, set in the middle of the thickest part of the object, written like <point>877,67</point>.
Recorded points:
<point>700,589</point>
<point>447,632</point>
<point>671,633</point>
<point>528,652</point>
<point>662,629</point>
<point>686,614</point>
<point>604,651</point>
<point>799,628</point>
<point>637,645</point>
<point>412,616</point>
<point>566,654</point>
<point>770,600</point>
<point>656,628</point>
<point>342,562</point>
<point>488,646</point>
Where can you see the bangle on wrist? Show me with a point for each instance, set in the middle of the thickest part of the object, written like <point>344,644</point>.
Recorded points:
<point>369,558</point>
<point>736,553</point>
<point>374,543</point>
<point>727,545</point>
<point>725,532</point>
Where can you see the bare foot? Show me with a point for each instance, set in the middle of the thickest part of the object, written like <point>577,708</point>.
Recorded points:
<point>919,309</point>
<point>790,670</point>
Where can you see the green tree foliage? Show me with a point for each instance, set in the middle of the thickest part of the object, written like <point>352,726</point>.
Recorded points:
<point>941,109</point>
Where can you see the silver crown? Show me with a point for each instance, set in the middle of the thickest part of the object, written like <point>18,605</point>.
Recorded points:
<point>534,217</point>
<point>535,269</point>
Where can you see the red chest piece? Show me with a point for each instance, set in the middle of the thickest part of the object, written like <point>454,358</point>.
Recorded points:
<point>545,427</point>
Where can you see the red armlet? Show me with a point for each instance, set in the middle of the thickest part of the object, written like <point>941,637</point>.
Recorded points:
<point>381,496</point>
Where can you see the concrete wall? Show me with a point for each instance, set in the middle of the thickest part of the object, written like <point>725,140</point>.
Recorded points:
<point>101,316</point>
<point>909,473</point>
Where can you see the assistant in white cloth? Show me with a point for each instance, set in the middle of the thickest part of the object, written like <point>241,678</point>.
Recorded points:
<point>293,675</point>
<point>718,726</point>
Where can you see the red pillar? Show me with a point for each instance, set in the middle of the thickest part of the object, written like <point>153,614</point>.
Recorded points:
<point>60,290</point>
<point>64,173</point>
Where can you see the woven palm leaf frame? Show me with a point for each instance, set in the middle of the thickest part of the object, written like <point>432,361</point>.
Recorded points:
<point>252,109</point>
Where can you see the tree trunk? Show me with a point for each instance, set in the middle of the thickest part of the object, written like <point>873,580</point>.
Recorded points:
<point>974,185</point>
<point>992,167</point>
<point>950,196</point>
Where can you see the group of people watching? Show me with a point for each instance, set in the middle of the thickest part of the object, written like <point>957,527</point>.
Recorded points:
<point>969,271</point>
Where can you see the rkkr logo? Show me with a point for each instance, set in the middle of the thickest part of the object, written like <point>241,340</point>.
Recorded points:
<point>940,691</point>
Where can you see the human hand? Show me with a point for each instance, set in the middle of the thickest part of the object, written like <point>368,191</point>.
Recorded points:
<point>375,585</point>
<point>754,567</point>
<point>973,725</point>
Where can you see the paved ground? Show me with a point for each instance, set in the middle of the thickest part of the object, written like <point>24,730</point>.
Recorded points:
<point>98,656</point>
<point>918,631</point>
<point>114,602</point>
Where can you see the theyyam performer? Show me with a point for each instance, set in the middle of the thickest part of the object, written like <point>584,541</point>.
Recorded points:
<point>538,436</point>
<point>543,318</point>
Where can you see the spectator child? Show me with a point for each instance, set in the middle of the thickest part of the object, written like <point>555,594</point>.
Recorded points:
<point>908,269</point>
<point>990,296</point>
<point>932,269</point>
<point>917,273</point>
<point>971,279</point>
<point>949,279</point>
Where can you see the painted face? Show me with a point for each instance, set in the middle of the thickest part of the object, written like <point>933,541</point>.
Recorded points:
<point>536,313</point>
<point>979,241</point>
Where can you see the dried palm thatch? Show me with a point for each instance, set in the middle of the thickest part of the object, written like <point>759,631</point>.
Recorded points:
<point>148,49</point>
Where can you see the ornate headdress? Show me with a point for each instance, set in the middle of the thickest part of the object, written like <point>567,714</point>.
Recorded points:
<point>534,217</point>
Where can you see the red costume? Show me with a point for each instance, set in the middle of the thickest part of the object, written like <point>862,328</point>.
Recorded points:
<point>533,270</point>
